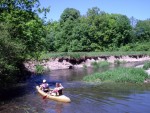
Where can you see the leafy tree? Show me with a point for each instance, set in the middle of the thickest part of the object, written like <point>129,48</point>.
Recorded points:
<point>69,14</point>
<point>22,33</point>
<point>11,53</point>
<point>63,37</point>
<point>97,31</point>
<point>52,29</point>
<point>142,30</point>
<point>123,30</point>
<point>93,12</point>
<point>26,25</point>
<point>80,38</point>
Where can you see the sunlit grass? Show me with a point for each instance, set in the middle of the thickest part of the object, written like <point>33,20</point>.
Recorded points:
<point>119,62</point>
<point>39,69</point>
<point>146,65</point>
<point>90,54</point>
<point>100,64</point>
<point>119,75</point>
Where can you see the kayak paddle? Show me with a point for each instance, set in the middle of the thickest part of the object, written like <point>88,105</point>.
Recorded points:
<point>44,97</point>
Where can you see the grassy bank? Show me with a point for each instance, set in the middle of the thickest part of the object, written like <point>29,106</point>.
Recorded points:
<point>90,54</point>
<point>119,75</point>
<point>100,64</point>
<point>146,65</point>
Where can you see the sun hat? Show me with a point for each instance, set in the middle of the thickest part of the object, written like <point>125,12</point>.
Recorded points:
<point>44,80</point>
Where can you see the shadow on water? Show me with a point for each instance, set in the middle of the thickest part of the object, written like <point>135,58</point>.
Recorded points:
<point>13,92</point>
<point>86,98</point>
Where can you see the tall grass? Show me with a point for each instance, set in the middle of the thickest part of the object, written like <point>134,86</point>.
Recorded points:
<point>146,65</point>
<point>90,54</point>
<point>39,69</point>
<point>119,62</point>
<point>100,64</point>
<point>121,75</point>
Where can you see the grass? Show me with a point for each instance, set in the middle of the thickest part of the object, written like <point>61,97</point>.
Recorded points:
<point>100,64</point>
<point>146,65</point>
<point>90,54</point>
<point>119,75</point>
<point>119,62</point>
<point>39,69</point>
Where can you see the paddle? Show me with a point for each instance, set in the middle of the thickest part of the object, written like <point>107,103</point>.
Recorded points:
<point>45,97</point>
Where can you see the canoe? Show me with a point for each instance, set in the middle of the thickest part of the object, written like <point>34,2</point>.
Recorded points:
<point>61,98</point>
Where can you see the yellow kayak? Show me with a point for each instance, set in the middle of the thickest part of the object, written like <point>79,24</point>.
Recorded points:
<point>61,98</point>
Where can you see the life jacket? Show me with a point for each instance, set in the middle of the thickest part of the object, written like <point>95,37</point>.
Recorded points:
<point>60,92</point>
<point>45,87</point>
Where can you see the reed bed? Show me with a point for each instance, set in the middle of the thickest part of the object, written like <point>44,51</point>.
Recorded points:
<point>119,75</point>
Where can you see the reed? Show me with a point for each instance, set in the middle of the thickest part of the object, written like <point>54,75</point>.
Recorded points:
<point>119,75</point>
<point>100,64</point>
<point>39,69</point>
<point>146,65</point>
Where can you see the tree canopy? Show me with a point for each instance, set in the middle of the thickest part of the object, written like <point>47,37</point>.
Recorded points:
<point>22,33</point>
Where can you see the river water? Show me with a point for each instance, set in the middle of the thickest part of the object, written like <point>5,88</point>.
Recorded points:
<point>85,98</point>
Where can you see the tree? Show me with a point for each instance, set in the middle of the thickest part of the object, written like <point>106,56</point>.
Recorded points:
<point>22,33</point>
<point>69,14</point>
<point>93,12</point>
<point>52,29</point>
<point>26,25</point>
<point>142,30</point>
<point>11,54</point>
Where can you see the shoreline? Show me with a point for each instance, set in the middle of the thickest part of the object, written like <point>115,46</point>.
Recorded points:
<point>69,63</point>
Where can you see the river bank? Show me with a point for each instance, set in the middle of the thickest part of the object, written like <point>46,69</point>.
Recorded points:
<point>68,63</point>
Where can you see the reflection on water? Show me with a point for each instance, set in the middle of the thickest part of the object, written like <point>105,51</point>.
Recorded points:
<point>86,98</point>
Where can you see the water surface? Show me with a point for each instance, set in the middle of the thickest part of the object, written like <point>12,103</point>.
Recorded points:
<point>86,98</point>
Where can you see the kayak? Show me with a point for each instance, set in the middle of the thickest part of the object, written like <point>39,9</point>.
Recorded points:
<point>61,98</point>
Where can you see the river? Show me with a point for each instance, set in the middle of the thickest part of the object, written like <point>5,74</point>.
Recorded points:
<point>85,98</point>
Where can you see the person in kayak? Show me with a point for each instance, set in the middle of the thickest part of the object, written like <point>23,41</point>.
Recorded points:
<point>44,86</point>
<point>57,90</point>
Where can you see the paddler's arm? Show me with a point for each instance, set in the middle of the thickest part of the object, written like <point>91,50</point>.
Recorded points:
<point>61,87</point>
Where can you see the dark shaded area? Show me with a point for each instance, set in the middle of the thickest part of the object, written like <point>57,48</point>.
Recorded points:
<point>17,89</point>
<point>13,92</point>
<point>74,61</point>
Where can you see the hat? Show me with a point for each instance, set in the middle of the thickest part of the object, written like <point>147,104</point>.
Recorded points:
<point>44,80</point>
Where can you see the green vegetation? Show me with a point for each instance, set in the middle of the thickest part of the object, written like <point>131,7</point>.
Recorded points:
<point>119,75</point>
<point>97,31</point>
<point>85,66</point>
<point>10,56</point>
<point>100,64</point>
<point>146,65</point>
<point>119,62</point>
<point>24,35</point>
<point>90,54</point>
<point>39,69</point>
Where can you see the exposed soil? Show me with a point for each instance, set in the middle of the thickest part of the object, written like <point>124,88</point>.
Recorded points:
<point>68,63</point>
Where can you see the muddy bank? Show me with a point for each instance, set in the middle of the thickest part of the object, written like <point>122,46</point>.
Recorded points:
<point>68,63</point>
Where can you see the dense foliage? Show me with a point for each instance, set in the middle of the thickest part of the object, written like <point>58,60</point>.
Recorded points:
<point>97,31</point>
<point>23,34</point>
<point>10,55</point>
